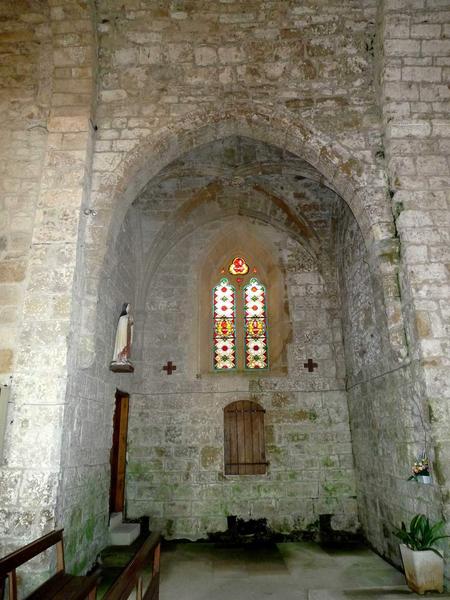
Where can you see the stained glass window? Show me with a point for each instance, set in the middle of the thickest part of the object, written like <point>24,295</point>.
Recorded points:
<point>238,266</point>
<point>224,298</point>
<point>255,324</point>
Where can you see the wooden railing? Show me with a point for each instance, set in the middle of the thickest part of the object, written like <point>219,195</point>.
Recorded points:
<point>148,556</point>
<point>59,586</point>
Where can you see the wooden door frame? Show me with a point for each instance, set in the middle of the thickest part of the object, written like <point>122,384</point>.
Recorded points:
<point>118,454</point>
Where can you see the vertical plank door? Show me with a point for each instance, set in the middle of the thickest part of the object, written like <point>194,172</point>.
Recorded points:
<point>119,452</point>
<point>244,439</point>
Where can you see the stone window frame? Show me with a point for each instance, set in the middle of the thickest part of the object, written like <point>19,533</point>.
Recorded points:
<point>235,240</point>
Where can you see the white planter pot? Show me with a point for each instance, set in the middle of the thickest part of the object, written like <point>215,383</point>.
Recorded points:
<point>424,479</point>
<point>424,570</point>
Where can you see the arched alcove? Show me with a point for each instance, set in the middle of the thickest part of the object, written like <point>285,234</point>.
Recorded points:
<point>173,235</point>
<point>360,185</point>
<point>192,217</point>
<point>120,191</point>
<point>342,171</point>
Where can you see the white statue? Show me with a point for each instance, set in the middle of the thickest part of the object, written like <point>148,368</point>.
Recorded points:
<point>124,338</point>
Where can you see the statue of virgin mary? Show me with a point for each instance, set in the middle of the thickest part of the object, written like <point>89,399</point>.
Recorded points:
<point>122,346</point>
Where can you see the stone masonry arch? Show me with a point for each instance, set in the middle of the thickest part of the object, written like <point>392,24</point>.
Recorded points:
<point>98,99</point>
<point>187,219</point>
<point>359,182</point>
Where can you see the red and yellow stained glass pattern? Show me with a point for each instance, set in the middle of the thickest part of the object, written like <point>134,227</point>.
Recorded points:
<point>256,355</point>
<point>224,306</point>
<point>238,266</point>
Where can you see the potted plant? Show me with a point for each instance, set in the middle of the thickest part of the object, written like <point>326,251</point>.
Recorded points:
<point>422,562</point>
<point>420,470</point>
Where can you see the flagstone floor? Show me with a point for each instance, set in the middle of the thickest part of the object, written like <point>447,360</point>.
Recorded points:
<point>284,571</point>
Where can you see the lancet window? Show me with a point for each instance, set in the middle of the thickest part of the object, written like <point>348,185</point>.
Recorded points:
<point>224,326</point>
<point>255,325</point>
<point>240,320</point>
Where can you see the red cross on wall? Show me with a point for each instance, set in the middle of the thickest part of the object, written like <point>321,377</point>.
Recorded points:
<point>170,367</point>
<point>310,365</point>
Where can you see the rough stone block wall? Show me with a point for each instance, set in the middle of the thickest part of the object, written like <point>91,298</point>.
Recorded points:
<point>158,65</point>
<point>415,101</point>
<point>86,470</point>
<point>389,429</point>
<point>176,445</point>
<point>170,77</point>
<point>25,85</point>
<point>46,175</point>
<point>176,472</point>
<point>166,68</point>
<point>159,62</point>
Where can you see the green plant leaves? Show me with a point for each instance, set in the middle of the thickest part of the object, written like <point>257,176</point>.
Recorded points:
<point>421,535</point>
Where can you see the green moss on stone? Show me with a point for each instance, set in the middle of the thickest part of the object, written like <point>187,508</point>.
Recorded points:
<point>137,471</point>
<point>280,400</point>
<point>274,450</point>
<point>89,529</point>
<point>270,434</point>
<point>230,155</point>
<point>169,527</point>
<point>439,455</point>
<point>314,526</point>
<point>75,518</point>
<point>304,415</point>
<point>159,451</point>
<point>209,456</point>
<point>69,549</point>
<point>80,566</point>
<point>297,437</point>
<point>156,465</point>
<point>336,489</point>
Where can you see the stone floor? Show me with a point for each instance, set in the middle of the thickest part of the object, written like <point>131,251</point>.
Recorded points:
<point>288,571</point>
<point>285,571</point>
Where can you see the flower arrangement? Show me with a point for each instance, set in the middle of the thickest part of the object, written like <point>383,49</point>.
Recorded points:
<point>420,467</point>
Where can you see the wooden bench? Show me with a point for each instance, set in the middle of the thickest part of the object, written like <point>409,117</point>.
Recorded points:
<point>132,578</point>
<point>60,586</point>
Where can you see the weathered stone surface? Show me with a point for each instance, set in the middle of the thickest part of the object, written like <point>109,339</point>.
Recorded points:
<point>12,271</point>
<point>40,104</point>
<point>359,92</point>
<point>6,360</point>
<point>420,226</point>
<point>300,414</point>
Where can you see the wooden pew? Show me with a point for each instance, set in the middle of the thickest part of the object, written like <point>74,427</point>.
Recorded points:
<point>132,577</point>
<point>60,586</point>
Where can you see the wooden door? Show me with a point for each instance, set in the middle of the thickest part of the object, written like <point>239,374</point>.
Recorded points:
<point>119,452</point>
<point>245,452</point>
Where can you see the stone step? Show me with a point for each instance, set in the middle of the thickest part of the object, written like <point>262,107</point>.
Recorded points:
<point>397,592</point>
<point>124,534</point>
<point>115,519</point>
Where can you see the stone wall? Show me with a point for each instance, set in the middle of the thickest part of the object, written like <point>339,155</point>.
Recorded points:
<point>172,77</point>
<point>176,472</point>
<point>84,494</point>
<point>159,62</point>
<point>415,102</point>
<point>25,83</point>
<point>49,53</point>
<point>389,428</point>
